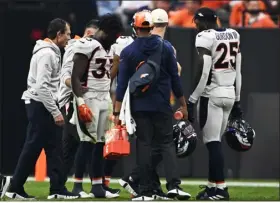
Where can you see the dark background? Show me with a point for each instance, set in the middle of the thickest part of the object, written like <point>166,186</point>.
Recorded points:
<point>260,94</point>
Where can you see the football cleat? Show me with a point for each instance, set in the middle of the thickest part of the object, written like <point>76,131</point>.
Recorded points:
<point>129,186</point>
<point>97,191</point>
<point>207,193</point>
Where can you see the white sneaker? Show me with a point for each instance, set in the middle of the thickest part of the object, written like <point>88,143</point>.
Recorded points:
<point>108,195</point>
<point>178,193</point>
<point>83,195</point>
<point>142,198</point>
<point>17,196</point>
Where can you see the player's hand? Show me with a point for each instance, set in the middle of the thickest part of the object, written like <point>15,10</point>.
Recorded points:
<point>85,113</point>
<point>236,111</point>
<point>59,120</point>
<point>184,111</point>
<point>117,120</point>
<point>191,111</point>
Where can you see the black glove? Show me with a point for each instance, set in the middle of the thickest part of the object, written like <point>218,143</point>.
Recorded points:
<point>190,106</point>
<point>236,111</point>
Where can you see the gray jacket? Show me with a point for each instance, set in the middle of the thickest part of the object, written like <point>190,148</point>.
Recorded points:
<point>43,76</point>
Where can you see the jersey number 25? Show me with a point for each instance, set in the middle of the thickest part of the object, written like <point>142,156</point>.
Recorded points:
<point>233,49</point>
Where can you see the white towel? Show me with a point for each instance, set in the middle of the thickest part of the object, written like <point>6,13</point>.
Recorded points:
<point>125,114</point>
<point>73,119</point>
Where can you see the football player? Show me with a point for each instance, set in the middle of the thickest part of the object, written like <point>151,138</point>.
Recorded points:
<point>215,93</point>
<point>93,60</point>
<point>70,138</point>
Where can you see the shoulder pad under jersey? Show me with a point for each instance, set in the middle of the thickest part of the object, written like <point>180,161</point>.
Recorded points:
<point>205,39</point>
<point>85,46</point>
<point>121,43</point>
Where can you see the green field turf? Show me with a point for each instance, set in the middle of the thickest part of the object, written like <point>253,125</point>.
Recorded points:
<point>40,190</point>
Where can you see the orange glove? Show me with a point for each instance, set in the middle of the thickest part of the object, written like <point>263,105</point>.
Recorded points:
<point>85,113</point>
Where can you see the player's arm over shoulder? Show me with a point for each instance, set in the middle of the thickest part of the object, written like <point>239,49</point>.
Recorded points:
<point>204,39</point>
<point>85,46</point>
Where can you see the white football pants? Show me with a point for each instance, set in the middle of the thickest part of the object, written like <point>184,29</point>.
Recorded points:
<point>213,114</point>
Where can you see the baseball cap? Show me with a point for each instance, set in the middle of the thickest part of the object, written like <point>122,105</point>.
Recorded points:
<point>159,16</point>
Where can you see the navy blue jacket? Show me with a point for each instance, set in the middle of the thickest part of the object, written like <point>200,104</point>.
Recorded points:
<point>159,99</point>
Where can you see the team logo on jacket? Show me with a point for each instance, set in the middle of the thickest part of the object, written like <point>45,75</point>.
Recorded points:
<point>144,75</point>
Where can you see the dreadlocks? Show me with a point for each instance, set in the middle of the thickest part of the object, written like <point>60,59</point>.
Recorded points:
<point>110,24</point>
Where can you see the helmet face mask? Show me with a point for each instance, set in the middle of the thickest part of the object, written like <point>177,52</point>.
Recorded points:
<point>185,138</point>
<point>239,135</point>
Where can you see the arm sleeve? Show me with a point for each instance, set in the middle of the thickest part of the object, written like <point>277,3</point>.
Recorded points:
<point>238,80</point>
<point>175,78</point>
<point>67,66</point>
<point>123,77</point>
<point>207,63</point>
<point>44,71</point>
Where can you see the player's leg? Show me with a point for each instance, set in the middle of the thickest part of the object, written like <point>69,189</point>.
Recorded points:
<point>70,141</point>
<point>108,170</point>
<point>109,164</point>
<point>98,161</point>
<point>221,188</point>
<point>38,118</point>
<point>85,148</point>
<point>210,114</point>
<point>163,141</point>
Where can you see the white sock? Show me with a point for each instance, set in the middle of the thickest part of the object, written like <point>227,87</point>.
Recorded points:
<point>221,185</point>
<point>211,184</point>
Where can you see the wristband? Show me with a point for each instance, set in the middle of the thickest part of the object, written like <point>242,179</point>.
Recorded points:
<point>80,101</point>
<point>116,113</point>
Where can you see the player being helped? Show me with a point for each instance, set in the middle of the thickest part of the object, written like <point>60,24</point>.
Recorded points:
<point>92,64</point>
<point>216,92</point>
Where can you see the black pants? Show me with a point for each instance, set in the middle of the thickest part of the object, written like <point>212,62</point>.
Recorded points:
<point>155,180</point>
<point>154,132</point>
<point>42,133</point>
<point>70,142</point>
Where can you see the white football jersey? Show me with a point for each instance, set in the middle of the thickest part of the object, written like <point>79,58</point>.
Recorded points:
<point>224,46</point>
<point>97,78</point>
<point>121,43</point>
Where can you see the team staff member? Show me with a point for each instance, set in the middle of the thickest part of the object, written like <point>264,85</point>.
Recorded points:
<point>130,182</point>
<point>45,119</point>
<point>152,114</point>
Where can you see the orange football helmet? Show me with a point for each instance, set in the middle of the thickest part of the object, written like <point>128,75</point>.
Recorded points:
<point>142,19</point>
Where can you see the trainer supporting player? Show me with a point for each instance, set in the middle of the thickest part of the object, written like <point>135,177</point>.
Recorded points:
<point>44,129</point>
